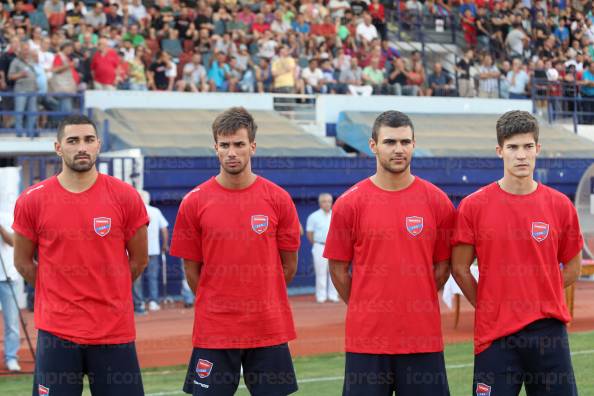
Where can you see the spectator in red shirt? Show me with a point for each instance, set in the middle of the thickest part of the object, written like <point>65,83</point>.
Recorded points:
<point>260,26</point>
<point>104,67</point>
<point>325,29</point>
<point>64,72</point>
<point>376,10</point>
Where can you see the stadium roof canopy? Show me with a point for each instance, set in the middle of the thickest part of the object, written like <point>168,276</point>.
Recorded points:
<point>188,133</point>
<point>461,135</point>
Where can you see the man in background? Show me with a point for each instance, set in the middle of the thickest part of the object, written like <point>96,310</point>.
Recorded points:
<point>317,227</point>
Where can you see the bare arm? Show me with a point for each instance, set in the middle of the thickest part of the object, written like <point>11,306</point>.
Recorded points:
<point>165,239</point>
<point>571,270</point>
<point>192,269</point>
<point>289,261</point>
<point>7,236</point>
<point>441,272</point>
<point>309,235</point>
<point>137,248</point>
<point>462,258</point>
<point>339,272</point>
<point>24,251</point>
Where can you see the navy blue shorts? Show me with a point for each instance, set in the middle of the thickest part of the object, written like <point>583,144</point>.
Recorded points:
<point>415,374</point>
<point>60,365</point>
<point>267,371</point>
<point>536,356</point>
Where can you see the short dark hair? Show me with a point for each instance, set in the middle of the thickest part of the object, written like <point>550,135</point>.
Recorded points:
<point>74,119</point>
<point>233,119</point>
<point>516,122</point>
<point>393,119</point>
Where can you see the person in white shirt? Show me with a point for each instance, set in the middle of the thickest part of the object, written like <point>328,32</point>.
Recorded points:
<point>8,278</point>
<point>366,31</point>
<point>138,10</point>
<point>158,225</point>
<point>313,78</point>
<point>317,227</point>
<point>194,76</point>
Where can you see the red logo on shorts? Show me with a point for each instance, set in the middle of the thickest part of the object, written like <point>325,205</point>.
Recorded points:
<point>540,231</point>
<point>414,225</point>
<point>43,391</point>
<point>102,225</point>
<point>483,390</point>
<point>259,223</point>
<point>203,368</point>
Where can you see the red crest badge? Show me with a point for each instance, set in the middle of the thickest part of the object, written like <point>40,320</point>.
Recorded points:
<point>259,223</point>
<point>540,231</point>
<point>203,368</point>
<point>43,391</point>
<point>102,225</point>
<point>414,225</point>
<point>483,389</point>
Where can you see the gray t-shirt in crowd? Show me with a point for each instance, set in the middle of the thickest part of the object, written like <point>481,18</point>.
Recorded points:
<point>27,84</point>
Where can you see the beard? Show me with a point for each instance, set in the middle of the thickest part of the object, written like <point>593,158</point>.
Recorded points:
<point>80,167</point>
<point>393,168</point>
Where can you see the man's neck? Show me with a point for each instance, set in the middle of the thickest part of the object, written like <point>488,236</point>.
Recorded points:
<point>517,185</point>
<point>77,182</point>
<point>236,182</point>
<point>392,181</point>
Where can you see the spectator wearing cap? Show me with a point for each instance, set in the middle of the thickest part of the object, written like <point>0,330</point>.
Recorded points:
<point>96,18</point>
<point>283,72</point>
<point>104,65</point>
<point>194,77</point>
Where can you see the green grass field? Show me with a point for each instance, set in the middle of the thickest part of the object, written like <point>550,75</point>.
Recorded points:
<point>322,375</point>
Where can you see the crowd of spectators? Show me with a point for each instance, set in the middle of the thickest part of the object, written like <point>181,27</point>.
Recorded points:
<point>287,46</point>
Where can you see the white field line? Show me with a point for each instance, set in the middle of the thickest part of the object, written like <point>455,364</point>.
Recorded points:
<point>318,379</point>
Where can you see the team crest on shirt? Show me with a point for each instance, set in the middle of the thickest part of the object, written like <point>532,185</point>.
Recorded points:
<point>259,223</point>
<point>43,391</point>
<point>203,368</point>
<point>483,389</point>
<point>102,225</point>
<point>540,231</point>
<point>414,225</point>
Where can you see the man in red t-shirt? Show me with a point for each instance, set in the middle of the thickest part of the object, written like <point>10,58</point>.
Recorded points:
<point>89,230</point>
<point>389,253</point>
<point>238,235</point>
<point>104,66</point>
<point>519,231</point>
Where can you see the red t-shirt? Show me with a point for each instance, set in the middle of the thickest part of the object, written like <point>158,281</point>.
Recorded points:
<point>83,289</point>
<point>58,61</point>
<point>519,242</point>
<point>241,299</point>
<point>104,67</point>
<point>393,239</point>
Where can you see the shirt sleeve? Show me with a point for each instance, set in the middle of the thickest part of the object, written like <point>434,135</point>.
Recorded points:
<point>464,232</point>
<point>570,238</point>
<point>162,221</point>
<point>287,234</point>
<point>445,225</point>
<point>340,241</point>
<point>186,241</point>
<point>24,221</point>
<point>309,226</point>
<point>136,215</point>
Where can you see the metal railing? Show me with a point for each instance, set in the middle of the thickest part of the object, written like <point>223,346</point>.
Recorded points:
<point>31,114</point>
<point>563,100</point>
